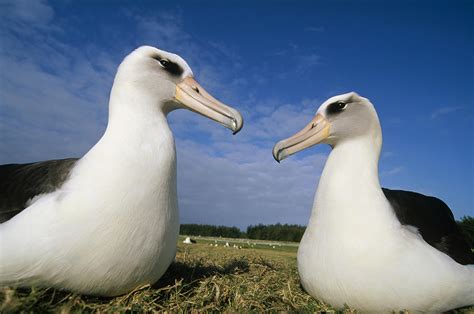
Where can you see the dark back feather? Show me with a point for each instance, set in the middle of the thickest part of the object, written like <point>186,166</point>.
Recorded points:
<point>434,220</point>
<point>19,183</point>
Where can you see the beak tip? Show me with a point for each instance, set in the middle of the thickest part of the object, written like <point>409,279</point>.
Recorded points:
<point>236,130</point>
<point>276,158</point>
<point>275,154</point>
<point>239,123</point>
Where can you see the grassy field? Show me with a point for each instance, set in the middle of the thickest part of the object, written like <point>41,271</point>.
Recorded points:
<point>260,276</point>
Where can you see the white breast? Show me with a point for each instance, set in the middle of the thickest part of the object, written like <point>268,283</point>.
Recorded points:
<point>355,251</point>
<point>111,227</point>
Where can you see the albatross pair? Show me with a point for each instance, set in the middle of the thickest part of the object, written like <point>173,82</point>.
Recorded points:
<point>108,222</point>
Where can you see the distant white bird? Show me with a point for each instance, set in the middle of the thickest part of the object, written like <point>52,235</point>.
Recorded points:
<point>188,241</point>
<point>108,222</point>
<point>372,248</point>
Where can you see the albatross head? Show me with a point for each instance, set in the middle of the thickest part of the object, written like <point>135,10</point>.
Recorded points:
<point>338,119</point>
<point>166,81</point>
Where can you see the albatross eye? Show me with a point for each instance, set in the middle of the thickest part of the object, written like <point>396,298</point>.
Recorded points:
<point>341,105</point>
<point>164,63</point>
<point>170,67</point>
<point>336,107</point>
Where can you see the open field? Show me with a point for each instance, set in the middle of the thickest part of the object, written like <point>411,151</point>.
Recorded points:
<point>203,277</point>
<point>278,246</point>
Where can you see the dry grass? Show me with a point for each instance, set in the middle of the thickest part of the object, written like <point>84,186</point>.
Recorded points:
<point>203,278</point>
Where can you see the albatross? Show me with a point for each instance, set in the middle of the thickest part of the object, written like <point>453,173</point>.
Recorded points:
<point>108,222</point>
<point>374,249</point>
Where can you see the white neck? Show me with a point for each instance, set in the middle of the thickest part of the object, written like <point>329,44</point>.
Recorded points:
<point>349,193</point>
<point>136,118</point>
<point>136,155</point>
<point>128,105</point>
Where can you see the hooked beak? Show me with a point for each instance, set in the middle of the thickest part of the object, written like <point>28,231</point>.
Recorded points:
<point>314,133</point>
<point>192,96</point>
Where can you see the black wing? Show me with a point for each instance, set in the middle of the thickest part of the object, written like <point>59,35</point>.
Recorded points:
<point>434,220</point>
<point>19,183</point>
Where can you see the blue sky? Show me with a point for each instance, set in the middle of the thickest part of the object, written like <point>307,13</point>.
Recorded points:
<point>276,62</point>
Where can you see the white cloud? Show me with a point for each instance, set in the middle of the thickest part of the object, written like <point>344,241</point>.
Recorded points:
<point>307,61</point>
<point>283,121</point>
<point>226,51</point>
<point>303,60</point>
<point>444,111</point>
<point>54,104</point>
<point>38,12</point>
<point>222,190</point>
<point>234,180</point>
<point>54,97</point>
<point>392,171</point>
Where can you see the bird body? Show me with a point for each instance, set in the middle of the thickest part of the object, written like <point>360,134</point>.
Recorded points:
<point>113,224</point>
<point>356,250</point>
<point>110,221</point>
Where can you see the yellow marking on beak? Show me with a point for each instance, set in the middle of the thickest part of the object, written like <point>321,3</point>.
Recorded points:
<point>314,133</point>
<point>194,97</point>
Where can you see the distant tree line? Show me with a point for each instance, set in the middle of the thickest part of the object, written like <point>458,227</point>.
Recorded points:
<point>285,232</point>
<point>467,227</point>
<point>277,232</point>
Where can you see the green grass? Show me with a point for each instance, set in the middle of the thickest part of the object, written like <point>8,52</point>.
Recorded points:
<point>203,278</point>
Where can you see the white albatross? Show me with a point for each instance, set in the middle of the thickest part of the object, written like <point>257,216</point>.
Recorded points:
<point>374,249</point>
<point>108,222</point>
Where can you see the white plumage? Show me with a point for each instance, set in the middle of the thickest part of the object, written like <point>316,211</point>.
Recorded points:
<point>113,224</point>
<point>355,251</point>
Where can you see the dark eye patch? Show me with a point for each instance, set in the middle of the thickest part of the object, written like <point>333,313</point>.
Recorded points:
<point>336,107</point>
<point>169,66</point>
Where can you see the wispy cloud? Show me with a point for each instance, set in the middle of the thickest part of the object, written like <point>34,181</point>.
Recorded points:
<point>392,171</point>
<point>444,111</point>
<point>303,61</point>
<point>54,97</point>
<point>314,29</point>
<point>38,12</point>
<point>308,61</point>
<point>247,189</point>
<point>226,51</point>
